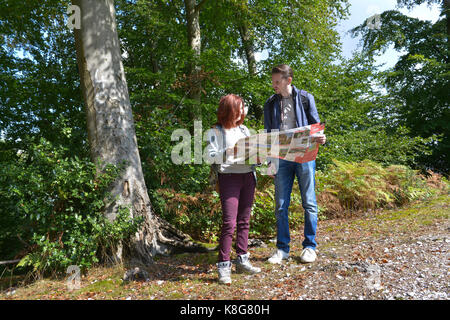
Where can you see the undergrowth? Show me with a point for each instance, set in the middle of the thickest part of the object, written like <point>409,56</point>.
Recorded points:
<point>345,188</point>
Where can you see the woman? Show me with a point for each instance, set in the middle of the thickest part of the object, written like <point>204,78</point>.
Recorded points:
<point>236,185</point>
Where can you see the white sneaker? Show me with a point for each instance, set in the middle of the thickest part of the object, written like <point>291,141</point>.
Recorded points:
<point>243,265</point>
<point>224,269</point>
<point>278,256</point>
<point>308,255</point>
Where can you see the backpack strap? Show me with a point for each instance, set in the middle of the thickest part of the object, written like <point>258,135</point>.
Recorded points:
<point>272,106</point>
<point>304,99</point>
<point>243,130</point>
<point>219,131</point>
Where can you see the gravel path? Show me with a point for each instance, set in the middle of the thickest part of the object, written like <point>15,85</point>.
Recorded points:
<point>400,267</point>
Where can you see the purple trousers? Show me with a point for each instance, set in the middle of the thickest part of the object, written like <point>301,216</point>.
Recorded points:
<point>237,191</point>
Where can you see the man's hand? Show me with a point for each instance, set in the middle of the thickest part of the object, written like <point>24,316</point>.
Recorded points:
<point>320,138</point>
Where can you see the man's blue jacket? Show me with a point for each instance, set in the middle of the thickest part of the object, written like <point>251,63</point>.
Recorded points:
<point>305,113</point>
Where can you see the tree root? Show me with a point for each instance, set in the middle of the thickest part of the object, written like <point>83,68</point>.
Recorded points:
<point>175,240</point>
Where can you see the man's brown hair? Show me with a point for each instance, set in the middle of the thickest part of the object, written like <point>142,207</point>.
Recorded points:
<point>284,69</point>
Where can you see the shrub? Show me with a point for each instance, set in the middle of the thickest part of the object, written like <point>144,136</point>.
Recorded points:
<point>198,215</point>
<point>356,186</point>
<point>51,214</point>
<point>376,144</point>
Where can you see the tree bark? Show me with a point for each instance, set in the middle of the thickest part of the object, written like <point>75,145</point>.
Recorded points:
<point>248,48</point>
<point>195,44</point>
<point>111,130</point>
<point>446,5</point>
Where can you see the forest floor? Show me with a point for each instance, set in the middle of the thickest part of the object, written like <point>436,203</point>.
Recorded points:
<point>398,254</point>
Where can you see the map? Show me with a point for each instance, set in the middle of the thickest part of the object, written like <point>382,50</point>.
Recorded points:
<point>297,145</point>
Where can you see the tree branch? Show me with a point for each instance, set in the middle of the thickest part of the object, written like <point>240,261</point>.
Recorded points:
<point>200,5</point>
<point>9,261</point>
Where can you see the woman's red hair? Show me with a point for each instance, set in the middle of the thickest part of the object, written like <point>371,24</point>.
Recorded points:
<point>229,110</point>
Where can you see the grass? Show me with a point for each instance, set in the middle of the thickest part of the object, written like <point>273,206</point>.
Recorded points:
<point>417,214</point>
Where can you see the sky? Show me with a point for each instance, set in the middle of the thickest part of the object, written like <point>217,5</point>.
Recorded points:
<point>360,10</point>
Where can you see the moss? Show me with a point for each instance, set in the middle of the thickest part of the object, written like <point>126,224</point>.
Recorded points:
<point>211,245</point>
<point>103,286</point>
<point>176,295</point>
<point>198,258</point>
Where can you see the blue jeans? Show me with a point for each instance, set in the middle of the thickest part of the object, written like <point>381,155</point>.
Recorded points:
<point>284,179</point>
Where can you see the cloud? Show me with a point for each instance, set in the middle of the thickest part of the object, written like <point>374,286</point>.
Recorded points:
<point>373,9</point>
<point>423,12</point>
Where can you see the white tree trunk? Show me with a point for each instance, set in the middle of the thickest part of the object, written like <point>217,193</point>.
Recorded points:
<point>111,130</point>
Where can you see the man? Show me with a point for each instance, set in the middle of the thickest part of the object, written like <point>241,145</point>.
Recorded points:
<point>290,108</point>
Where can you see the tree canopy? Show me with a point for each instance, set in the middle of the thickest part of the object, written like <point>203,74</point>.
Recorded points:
<point>419,83</point>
